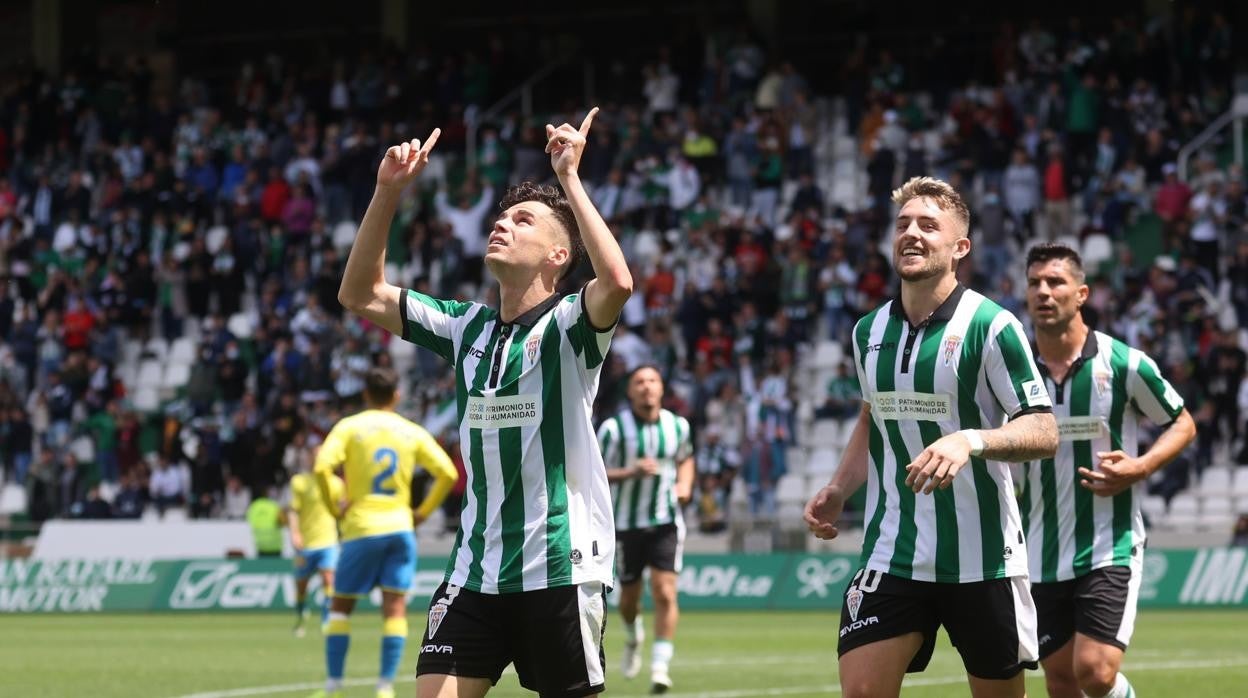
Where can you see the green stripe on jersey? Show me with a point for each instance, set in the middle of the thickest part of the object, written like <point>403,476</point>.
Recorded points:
<point>558,537</point>
<point>476,466</point>
<point>875,444</point>
<point>1085,524</point>
<point>1051,549</point>
<point>993,540</point>
<point>902,562</point>
<point>1123,509</point>
<point>1013,354</point>
<point>946,508</point>
<point>510,447</point>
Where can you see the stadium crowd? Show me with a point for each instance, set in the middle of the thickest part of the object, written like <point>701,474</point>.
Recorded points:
<point>217,213</point>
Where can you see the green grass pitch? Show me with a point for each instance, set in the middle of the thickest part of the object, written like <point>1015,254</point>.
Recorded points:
<point>718,655</point>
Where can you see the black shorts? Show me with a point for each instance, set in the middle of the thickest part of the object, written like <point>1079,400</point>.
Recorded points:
<point>1099,604</point>
<point>553,636</point>
<point>661,547</point>
<point>991,623</point>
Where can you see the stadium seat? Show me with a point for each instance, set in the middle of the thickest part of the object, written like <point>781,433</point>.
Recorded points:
<point>828,354</point>
<point>1221,504</point>
<point>1239,484</point>
<point>182,351</point>
<point>825,434</point>
<point>823,461</point>
<point>791,488</point>
<point>1068,240</point>
<point>214,239</point>
<point>1184,503</point>
<point>240,325</point>
<point>149,374</point>
<point>156,348</point>
<point>131,350</point>
<point>175,515</point>
<point>146,399</point>
<point>1241,505</point>
<point>344,235</point>
<point>176,375</point>
<point>1097,249</point>
<point>1216,480</point>
<point>1154,507</point>
<point>12,499</point>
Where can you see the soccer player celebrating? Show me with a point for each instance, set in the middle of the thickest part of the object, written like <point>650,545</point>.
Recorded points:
<point>1081,508</point>
<point>649,457</point>
<point>314,536</point>
<point>941,367</point>
<point>528,571</point>
<point>379,452</point>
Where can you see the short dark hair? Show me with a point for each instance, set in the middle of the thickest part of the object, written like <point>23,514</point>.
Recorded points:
<point>628,379</point>
<point>1049,251</point>
<point>558,203</point>
<point>380,383</point>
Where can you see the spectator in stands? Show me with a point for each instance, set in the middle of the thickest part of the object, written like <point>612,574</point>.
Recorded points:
<point>129,501</point>
<point>237,499</point>
<point>843,397</point>
<point>167,486</point>
<point>1239,536</point>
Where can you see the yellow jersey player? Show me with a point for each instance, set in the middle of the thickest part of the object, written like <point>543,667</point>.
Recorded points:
<point>314,536</point>
<point>379,452</point>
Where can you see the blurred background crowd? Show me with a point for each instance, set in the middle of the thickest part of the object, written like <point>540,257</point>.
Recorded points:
<point>170,335</point>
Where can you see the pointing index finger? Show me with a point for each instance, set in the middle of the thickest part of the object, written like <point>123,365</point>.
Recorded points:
<point>433,138</point>
<point>589,119</point>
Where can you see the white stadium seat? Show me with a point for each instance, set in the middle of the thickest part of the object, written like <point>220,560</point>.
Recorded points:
<point>1239,483</point>
<point>176,375</point>
<point>214,239</point>
<point>182,351</point>
<point>240,325</point>
<point>157,348</point>
<point>825,433</point>
<point>823,460</point>
<point>146,399</point>
<point>791,488</point>
<point>149,374</point>
<point>344,234</point>
<point>1097,249</point>
<point>1216,480</point>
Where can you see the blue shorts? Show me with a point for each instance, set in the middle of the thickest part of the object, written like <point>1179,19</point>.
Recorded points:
<point>387,561</point>
<point>309,562</point>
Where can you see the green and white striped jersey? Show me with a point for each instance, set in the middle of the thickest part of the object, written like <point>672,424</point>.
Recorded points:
<point>537,508</point>
<point>1071,531</point>
<point>967,366</point>
<point>649,501</point>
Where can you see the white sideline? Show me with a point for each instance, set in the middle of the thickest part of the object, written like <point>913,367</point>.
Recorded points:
<point>747,693</point>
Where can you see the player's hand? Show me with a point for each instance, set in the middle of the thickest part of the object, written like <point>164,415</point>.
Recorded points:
<point>823,510</point>
<point>684,492</point>
<point>1116,473</point>
<point>566,145</point>
<point>937,465</point>
<point>343,506</point>
<point>418,519</point>
<point>405,161</point>
<point>645,466</point>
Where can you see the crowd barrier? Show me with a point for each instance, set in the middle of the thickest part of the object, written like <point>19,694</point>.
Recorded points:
<point>1210,577</point>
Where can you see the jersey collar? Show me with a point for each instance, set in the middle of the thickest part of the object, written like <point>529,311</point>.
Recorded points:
<point>943,313</point>
<point>530,317</point>
<point>1090,349</point>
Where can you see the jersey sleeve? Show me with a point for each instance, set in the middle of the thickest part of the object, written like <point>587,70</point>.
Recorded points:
<point>333,451</point>
<point>684,445</point>
<point>1011,370</point>
<point>589,343</point>
<point>861,335</point>
<point>294,497</point>
<point>432,323</point>
<point>1150,392</point>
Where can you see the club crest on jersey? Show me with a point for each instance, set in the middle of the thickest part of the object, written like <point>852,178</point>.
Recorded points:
<point>1102,382</point>
<point>951,349</point>
<point>531,345</point>
<point>853,602</point>
<point>436,613</point>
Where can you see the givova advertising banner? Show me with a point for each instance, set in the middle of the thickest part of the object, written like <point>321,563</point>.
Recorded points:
<point>1211,577</point>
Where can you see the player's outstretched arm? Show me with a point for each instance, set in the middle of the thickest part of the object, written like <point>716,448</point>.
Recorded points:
<point>439,464</point>
<point>1116,471</point>
<point>364,290</point>
<point>612,284</point>
<point>824,508</point>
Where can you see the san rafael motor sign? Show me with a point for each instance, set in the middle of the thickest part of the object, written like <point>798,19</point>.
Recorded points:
<point>28,586</point>
<point>1211,577</point>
